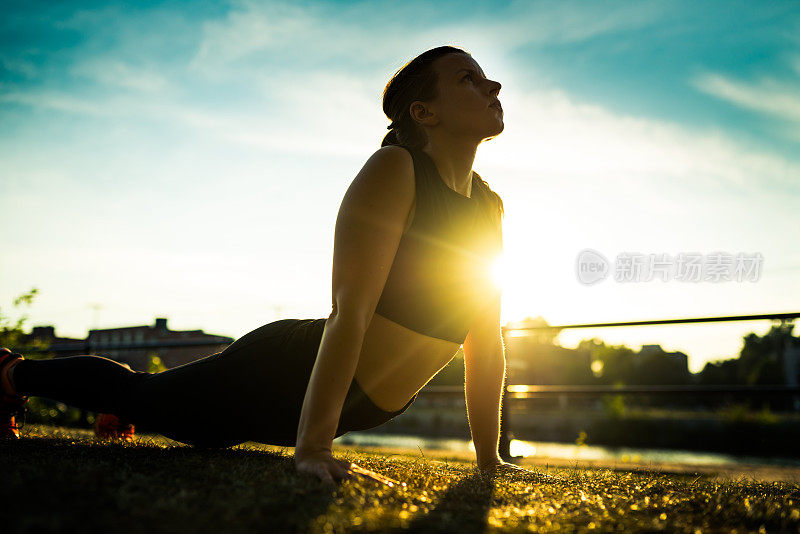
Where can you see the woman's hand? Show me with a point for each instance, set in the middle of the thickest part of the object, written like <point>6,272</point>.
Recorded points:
<point>323,465</point>
<point>330,470</point>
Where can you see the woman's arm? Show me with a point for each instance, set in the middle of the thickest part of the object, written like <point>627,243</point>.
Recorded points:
<point>369,227</point>
<point>485,368</point>
<point>484,373</point>
<point>330,379</point>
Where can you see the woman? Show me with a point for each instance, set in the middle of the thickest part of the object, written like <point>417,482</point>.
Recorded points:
<point>415,238</point>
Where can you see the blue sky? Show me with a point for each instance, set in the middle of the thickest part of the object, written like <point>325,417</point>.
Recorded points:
<point>187,160</point>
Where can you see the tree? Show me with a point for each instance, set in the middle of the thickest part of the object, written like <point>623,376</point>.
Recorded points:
<point>13,337</point>
<point>760,357</point>
<point>12,333</point>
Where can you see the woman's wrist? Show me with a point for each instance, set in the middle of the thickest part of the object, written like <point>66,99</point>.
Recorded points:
<point>303,454</point>
<point>308,444</point>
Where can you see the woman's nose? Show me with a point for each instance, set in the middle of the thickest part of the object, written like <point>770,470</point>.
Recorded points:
<point>495,87</point>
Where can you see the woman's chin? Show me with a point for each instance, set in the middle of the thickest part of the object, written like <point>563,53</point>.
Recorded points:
<point>493,131</point>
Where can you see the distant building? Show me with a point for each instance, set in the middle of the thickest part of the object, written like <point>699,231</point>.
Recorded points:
<point>135,344</point>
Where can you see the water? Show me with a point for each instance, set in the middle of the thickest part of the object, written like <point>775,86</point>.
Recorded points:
<point>566,451</point>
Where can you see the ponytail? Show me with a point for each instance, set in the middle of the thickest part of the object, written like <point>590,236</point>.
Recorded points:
<point>390,138</point>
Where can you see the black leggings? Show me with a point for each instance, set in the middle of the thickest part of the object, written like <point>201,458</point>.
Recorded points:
<point>251,391</point>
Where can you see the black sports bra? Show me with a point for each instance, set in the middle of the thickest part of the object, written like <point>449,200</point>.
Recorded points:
<point>441,274</point>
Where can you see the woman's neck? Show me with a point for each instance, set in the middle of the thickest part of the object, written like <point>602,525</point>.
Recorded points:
<point>454,163</point>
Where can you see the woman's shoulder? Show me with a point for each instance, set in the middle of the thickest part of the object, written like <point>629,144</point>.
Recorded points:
<point>393,163</point>
<point>397,152</point>
<point>392,156</point>
<point>388,172</point>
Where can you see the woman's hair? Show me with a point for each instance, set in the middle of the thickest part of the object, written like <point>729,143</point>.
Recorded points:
<point>417,80</point>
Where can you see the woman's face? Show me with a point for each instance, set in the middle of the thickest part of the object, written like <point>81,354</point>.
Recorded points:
<point>464,105</point>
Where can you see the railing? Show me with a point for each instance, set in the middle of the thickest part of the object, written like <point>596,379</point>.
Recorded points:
<point>762,316</point>
<point>530,392</point>
<point>525,391</point>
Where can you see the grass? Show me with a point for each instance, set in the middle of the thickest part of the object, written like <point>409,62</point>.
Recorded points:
<point>62,480</point>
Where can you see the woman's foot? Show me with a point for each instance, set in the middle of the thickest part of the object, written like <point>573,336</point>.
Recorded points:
<point>109,426</point>
<point>12,405</point>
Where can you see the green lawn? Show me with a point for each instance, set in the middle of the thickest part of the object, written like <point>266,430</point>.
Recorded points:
<point>61,480</point>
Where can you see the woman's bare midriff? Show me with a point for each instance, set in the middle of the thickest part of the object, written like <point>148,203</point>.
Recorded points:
<point>396,362</point>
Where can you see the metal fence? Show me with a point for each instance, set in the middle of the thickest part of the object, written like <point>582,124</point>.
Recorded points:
<point>527,391</point>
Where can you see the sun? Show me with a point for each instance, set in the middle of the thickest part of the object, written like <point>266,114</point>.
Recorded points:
<point>499,272</point>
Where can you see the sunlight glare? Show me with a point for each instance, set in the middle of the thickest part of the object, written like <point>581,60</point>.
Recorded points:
<point>521,448</point>
<point>499,273</point>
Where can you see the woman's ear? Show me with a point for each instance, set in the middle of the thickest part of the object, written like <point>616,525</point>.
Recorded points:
<point>423,113</point>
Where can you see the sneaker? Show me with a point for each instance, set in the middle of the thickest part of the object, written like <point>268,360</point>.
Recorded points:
<point>12,406</point>
<point>109,426</point>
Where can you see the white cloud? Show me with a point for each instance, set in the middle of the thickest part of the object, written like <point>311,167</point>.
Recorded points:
<point>777,98</point>
<point>550,134</point>
<point>314,112</point>
<point>795,62</point>
<point>19,65</point>
<point>120,74</point>
<point>371,32</point>
<point>56,101</point>
<point>567,22</point>
<point>337,110</point>
<point>250,28</point>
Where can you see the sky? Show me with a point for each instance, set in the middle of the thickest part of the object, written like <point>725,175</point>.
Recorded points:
<point>187,160</point>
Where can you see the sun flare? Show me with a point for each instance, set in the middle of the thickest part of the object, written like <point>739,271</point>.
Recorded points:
<point>499,273</point>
